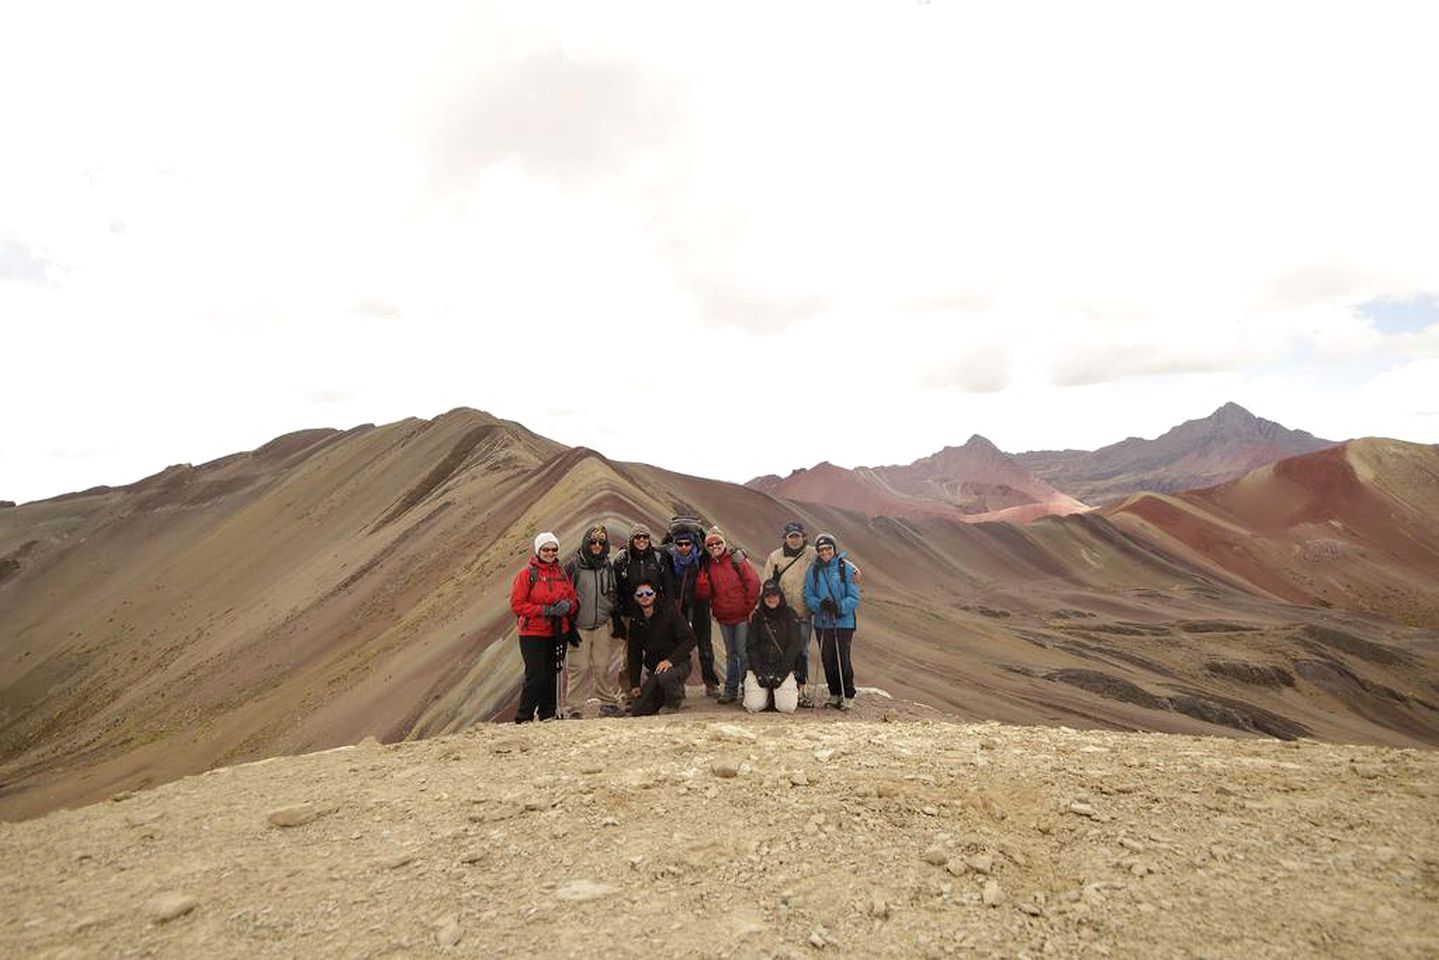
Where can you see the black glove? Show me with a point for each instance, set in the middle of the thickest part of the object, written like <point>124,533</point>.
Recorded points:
<point>829,607</point>
<point>618,631</point>
<point>557,609</point>
<point>572,638</point>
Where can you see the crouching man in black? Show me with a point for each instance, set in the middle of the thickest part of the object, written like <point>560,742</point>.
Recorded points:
<point>660,641</point>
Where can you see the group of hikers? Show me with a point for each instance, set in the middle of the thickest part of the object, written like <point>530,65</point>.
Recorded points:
<point>624,628</point>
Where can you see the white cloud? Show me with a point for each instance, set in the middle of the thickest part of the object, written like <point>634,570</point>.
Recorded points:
<point>1052,225</point>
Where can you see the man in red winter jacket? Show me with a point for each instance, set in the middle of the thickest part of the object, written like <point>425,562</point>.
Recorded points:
<point>543,598</point>
<point>731,586</point>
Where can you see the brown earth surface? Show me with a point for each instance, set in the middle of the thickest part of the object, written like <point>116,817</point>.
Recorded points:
<point>709,835</point>
<point>336,585</point>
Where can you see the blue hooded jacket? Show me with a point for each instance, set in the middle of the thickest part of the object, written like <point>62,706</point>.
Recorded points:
<point>824,582</point>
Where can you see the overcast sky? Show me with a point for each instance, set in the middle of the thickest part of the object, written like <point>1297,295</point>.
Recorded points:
<point>729,240</point>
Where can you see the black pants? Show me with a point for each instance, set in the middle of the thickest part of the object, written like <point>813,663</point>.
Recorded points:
<point>698,616</point>
<point>662,690</point>
<point>834,644</point>
<point>543,658</point>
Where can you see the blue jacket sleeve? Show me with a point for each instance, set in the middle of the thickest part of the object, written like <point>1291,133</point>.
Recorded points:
<point>850,601</point>
<point>811,596</point>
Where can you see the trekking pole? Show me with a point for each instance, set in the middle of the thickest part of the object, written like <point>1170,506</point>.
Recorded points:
<point>559,640</point>
<point>815,664</point>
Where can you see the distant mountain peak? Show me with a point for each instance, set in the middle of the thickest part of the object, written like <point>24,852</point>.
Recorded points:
<point>1228,443</point>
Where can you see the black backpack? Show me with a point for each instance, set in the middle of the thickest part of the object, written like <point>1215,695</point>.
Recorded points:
<point>693,526</point>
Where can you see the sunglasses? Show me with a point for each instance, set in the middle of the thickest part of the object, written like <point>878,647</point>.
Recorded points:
<point>717,544</point>
<point>644,592</point>
<point>596,543</point>
<point>640,536</point>
<point>826,547</point>
<point>684,543</point>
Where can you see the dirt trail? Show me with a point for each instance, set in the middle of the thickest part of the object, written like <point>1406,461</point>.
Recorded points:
<point>699,834</point>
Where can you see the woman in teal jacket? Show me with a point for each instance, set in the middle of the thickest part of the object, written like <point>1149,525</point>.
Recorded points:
<point>831,592</point>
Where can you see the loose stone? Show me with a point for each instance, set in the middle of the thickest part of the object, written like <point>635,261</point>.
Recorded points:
<point>293,816</point>
<point>449,934</point>
<point>936,856</point>
<point>167,906</point>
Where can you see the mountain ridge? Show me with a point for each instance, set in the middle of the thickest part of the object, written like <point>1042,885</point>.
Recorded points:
<point>356,584</point>
<point>1196,453</point>
<point>973,482</point>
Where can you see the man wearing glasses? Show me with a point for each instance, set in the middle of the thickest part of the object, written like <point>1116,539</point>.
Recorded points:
<point>660,642</point>
<point>640,560</point>
<point>593,667</point>
<point>543,599</point>
<point>685,558</point>
<point>788,566</point>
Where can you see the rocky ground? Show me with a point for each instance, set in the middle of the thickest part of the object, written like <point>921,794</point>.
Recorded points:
<point>719,834</point>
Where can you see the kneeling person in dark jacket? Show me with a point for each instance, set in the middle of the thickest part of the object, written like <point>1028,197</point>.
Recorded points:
<point>775,644</point>
<point>660,641</point>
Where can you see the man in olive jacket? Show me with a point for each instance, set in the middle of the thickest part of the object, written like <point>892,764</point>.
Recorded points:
<point>660,641</point>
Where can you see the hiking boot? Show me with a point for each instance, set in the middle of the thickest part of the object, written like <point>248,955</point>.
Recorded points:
<point>712,690</point>
<point>727,699</point>
<point>836,702</point>
<point>574,715</point>
<point>611,710</point>
<point>806,701</point>
<point>847,703</point>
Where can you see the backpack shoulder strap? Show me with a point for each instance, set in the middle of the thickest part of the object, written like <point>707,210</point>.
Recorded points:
<point>781,571</point>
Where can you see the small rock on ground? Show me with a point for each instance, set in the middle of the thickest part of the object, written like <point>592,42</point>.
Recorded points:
<point>294,815</point>
<point>167,906</point>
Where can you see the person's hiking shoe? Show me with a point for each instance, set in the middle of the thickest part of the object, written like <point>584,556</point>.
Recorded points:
<point>836,702</point>
<point>727,699</point>
<point>611,710</point>
<point>847,703</point>
<point>712,690</point>
<point>805,701</point>
<point>574,715</point>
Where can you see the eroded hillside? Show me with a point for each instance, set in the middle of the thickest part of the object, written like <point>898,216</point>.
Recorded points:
<point>332,586</point>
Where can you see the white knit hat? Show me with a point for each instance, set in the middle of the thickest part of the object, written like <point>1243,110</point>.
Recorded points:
<point>543,539</point>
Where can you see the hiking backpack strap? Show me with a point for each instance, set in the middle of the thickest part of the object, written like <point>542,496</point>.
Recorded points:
<point>781,571</point>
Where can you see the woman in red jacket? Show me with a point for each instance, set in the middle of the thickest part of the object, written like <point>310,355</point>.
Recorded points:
<point>731,586</point>
<point>543,599</point>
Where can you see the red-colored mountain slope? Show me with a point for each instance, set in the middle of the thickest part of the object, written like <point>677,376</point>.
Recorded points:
<point>1354,526</point>
<point>974,483</point>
